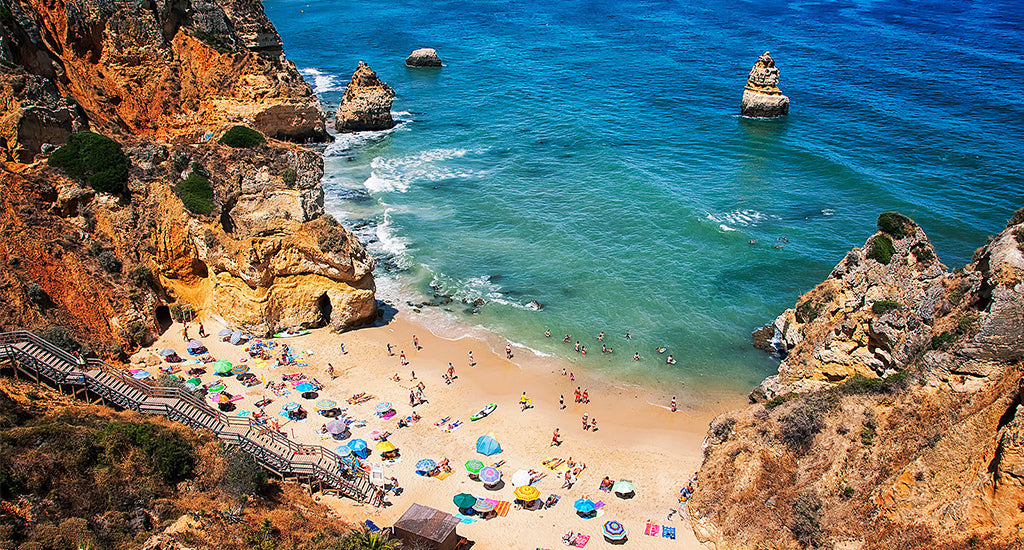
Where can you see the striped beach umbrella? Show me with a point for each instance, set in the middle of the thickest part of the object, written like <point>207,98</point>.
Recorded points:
<point>325,404</point>
<point>337,426</point>
<point>483,506</point>
<point>426,465</point>
<point>527,493</point>
<point>613,531</point>
<point>490,475</point>
<point>474,466</point>
<point>240,368</point>
<point>289,407</point>
<point>383,406</point>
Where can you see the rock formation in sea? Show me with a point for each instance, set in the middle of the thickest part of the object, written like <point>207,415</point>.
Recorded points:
<point>109,268</point>
<point>173,70</point>
<point>762,97</point>
<point>895,420</point>
<point>423,57</point>
<point>366,104</point>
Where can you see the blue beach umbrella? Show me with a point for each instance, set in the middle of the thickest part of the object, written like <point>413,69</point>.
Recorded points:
<point>305,387</point>
<point>343,450</point>
<point>584,506</point>
<point>487,445</point>
<point>225,332</point>
<point>167,352</point>
<point>490,475</point>
<point>289,407</point>
<point>141,374</point>
<point>426,465</point>
<point>357,445</point>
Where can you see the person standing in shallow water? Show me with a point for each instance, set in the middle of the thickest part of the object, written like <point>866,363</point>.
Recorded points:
<point>673,405</point>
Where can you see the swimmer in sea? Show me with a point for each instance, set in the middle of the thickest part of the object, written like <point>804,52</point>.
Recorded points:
<point>670,360</point>
<point>636,356</point>
<point>547,334</point>
<point>628,336</point>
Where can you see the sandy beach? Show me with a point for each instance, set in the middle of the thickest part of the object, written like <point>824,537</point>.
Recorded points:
<point>648,444</point>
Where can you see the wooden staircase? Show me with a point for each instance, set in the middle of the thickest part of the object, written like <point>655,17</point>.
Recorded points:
<point>98,381</point>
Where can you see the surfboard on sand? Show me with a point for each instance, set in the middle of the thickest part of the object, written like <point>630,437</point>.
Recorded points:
<point>484,412</point>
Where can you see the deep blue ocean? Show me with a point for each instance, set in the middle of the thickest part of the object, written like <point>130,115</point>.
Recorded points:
<point>590,156</point>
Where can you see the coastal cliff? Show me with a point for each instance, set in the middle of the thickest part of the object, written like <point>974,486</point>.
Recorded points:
<point>88,265</point>
<point>895,420</point>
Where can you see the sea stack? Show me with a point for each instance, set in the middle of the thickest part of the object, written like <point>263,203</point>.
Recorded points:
<point>423,57</point>
<point>366,104</point>
<point>762,97</point>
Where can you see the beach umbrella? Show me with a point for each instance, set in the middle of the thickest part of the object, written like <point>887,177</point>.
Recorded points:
<point>383,406</point>
<point>222,398</point>
<point>357,445</point>
<point>487,445</point>
<point>216,388</point>
<point>483,506</point>
<point>195,382</point>
<point>614,531</point>
<point>474,466</point>
<point>386,447</point>
<point>236,337</point>
<point>490,475</point>
<point>225,332</point>
<point>305,387</point>
<point>289,407</point>
<point>240,368</point>
<point>141,374</point>
<point>624,488</point>
<point>526,493</point>
<point>168,352</point>
<point>337,426</point>
<point>584,506</point>
<point>325,404</point>
<point>464,500</point>
<point>343,450</point>
<point>194,344</point>
<point>222,366</point>
<point>426,465</point>
<point>520,478</point>
<point>374,434</point>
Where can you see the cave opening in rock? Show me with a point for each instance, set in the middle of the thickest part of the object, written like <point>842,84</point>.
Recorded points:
<point>163,318</point>
<point>324,307</point>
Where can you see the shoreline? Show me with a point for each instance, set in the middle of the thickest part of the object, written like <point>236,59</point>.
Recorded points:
<point>637,438</point>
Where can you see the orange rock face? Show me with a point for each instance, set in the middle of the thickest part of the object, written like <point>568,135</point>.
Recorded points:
<point>170,70</point>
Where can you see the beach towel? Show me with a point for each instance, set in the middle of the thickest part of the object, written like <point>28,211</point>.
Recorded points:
<point>668,532</point>
<point>598,504</point>
<point>243,413</point>
<point>464,518</point>
<point>453,426</point>
<point>502,508</point>
<point>581,541</point>
<point>443,475</point>
<point>652,529</point>
<point>551,500</point>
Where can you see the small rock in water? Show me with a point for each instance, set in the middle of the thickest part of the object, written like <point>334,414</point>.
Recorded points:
<point>535,305</point>
<point>423,57</point>
<point>762,97</point>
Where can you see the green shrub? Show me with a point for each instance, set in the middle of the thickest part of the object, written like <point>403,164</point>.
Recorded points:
<point>289,177</point>
<point>94,159</point>
<point>60,337</point>
<point>180,163</point>
<point>881,307</point>
<point>881,249</point>
<point>333,238</point>
<point>923,254</point>
<point>860,384</point>
<point>141,275</point>
<point>196,193</point>
<point>36,293</point>
<point>243,476</point>
<point>1018,217</point>
<point>867,430</point>
<point>897,225</point>
<point>847,493</point>
<point>780,399</point>
<point>941,340</point>
<point>805,523</point>
<point>807,311</point>
<point>170,455</point>
<point>109,262</point>
<point>806,419</point>
<point>965,323</point>
<point>242,137</point>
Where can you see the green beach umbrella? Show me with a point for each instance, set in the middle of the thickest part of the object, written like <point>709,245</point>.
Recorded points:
<point>195,381</point>
<point>464,500</point>
<point>216,389</point>
<point>474,466</point>
<point>222,366</point>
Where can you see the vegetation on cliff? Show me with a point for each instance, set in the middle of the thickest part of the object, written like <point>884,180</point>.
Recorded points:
<point>242,137</point>
<point>196,193</point>
<point>81,476</point>
<point>94,159</point>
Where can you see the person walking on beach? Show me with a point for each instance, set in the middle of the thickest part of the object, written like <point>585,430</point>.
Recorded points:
<point>586,425</point>
<point>416,342</point>
<point>585,397</point>
<point>673,404</point>
<point>412,398</point>
<point>202,331</point>
<point>401,357</point>
<point>472,362</point>
<point>561,402</point>
<point>578,395</point>
<point>330,371</point>
<point>593,424</point>
<point>184,332</point>
<point>554,439</point>
<point>389,351</point>
<point>451,370</point>
<point>342,346</point>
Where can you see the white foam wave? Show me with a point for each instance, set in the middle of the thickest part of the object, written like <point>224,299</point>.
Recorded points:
<point>724,227</point>
<point>827,212</point>
<point>728,221</point>
<point>323,82</point>
<point>390,243</point>
<point>343,143</point>
<point>396,174</point>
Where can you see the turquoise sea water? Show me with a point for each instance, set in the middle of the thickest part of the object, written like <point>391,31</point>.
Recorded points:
<point>590,156</point>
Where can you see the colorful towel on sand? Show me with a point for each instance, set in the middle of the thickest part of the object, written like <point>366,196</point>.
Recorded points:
<point>464,518</point>
<point>581,541</point>
<point>598,505</point>
<point>502,508</point>
<point>668,532</point>
<point>443,475</point>
<point>243,413</point>
<point>652,529</point>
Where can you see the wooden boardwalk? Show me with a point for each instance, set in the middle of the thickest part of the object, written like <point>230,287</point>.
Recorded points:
<point>97,381</point>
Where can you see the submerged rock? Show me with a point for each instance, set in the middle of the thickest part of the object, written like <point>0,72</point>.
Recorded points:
<point>762,97</point>
<point>366,104</point>
<point>423,57</point>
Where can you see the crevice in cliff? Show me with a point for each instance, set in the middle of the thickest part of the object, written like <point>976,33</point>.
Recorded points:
<point>225,215</point>
<point>324,308</point>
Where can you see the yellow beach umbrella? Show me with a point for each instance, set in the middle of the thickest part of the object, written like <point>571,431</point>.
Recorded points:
<point>527,493</point>
<point>385,446</point>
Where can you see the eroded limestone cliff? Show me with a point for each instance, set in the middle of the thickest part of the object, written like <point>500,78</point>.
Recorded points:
<point>895,420</point>
<point>106,269</point>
